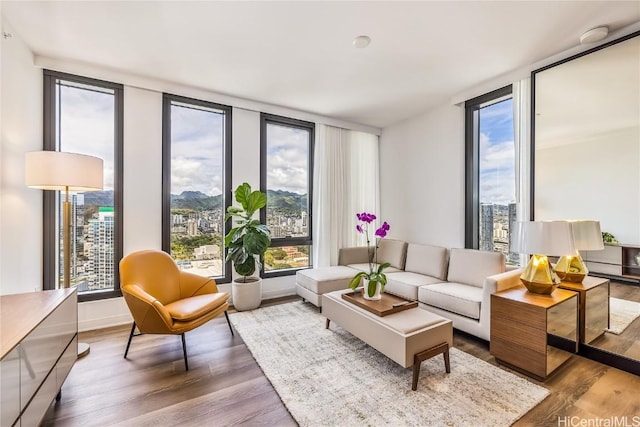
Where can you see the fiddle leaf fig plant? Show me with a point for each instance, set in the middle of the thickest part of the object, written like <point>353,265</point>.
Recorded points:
<point>248,241</point>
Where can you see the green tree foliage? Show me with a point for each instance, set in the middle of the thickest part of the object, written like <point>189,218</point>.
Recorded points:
<point>182,248</point>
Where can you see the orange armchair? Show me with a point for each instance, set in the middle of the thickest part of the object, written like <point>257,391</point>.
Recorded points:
<point>165,300</point>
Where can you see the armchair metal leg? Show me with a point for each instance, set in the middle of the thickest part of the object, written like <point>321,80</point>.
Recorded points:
<point>184,350</point>
<point>133,328</point>
<point>228,321</point>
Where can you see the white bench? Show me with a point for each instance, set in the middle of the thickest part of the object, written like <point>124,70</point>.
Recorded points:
<point>408,337</point>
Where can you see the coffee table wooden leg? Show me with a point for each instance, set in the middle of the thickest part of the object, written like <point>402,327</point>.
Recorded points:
<point>326,325</point>
<point>427,354</point>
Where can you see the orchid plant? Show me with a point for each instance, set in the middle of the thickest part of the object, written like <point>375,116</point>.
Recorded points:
<point>375,274</point>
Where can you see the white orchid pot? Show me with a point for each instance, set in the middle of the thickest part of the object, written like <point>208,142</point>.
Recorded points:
<point>377,294</point>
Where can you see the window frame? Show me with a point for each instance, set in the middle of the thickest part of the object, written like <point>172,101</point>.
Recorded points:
<point>167,99</point>
<point>472,164</point>
<point>49,197</point>
<point>266,119</point>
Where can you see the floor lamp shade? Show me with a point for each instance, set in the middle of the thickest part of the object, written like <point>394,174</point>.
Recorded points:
<point>56,170</point>
<point>587,237</point>
<point>539,239</point>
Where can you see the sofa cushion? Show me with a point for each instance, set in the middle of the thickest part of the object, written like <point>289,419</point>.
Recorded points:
<point>471,267</point>
<point>325,279</point>
<point>392,251</point>
<point>405,284</point>
<point>455,297</point>
<point>427,259</point>
<point>365,267</point>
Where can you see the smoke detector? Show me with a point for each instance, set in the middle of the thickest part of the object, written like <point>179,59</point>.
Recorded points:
<point>594,35</point>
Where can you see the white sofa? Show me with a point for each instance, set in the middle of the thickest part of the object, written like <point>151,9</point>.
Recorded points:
<point>456,284</point>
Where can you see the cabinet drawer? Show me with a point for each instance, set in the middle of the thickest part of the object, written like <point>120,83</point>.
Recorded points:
<point>42,347</point>
<point>598,267</point>
<point>518,334</point>
<point>516,311</point>
<point>609,255</point>
<point>38,406</point>
<point>530,361</point>
<point>10,387</point>
<point>66,361</point>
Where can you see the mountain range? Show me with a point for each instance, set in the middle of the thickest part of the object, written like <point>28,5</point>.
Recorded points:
<point>197,200</point>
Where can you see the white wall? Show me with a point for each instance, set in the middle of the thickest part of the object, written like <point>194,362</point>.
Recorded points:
<point>422,177</point>
<point>594,178</point>
<point>20,207</point>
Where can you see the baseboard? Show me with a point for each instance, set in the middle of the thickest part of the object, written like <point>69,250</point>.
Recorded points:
<point>104,322</point>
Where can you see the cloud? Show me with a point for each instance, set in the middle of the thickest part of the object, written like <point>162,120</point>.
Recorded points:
<point>197,150</point>
<point>287,158</point>
<point>497,154</point>
<point>86,126</point>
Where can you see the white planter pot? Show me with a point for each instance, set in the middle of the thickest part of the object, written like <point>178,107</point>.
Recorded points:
<point>246,296</point>
<point>365,293</point>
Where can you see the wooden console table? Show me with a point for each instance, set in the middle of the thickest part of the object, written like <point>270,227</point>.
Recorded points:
<point>38,347</point>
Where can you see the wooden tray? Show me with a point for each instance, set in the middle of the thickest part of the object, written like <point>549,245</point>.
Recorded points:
<point>381,307</point>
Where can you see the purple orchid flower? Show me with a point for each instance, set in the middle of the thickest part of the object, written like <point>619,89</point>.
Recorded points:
<point>382,231</point>
<point>366,217</point>
<point>359,228</point>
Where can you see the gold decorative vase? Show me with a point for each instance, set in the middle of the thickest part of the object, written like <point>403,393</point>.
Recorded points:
<point>538,277</point>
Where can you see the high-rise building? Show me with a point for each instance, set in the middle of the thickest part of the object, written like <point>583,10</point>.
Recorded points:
<point>100,268</point>
<point>486,227</point>
<point>76,233</point>
<point>512,258</point>
<point>192,227</point>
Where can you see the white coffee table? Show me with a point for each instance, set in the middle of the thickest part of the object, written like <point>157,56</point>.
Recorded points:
<point>408,337</point>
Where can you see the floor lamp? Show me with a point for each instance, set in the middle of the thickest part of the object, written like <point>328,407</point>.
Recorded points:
<point>60,171</point>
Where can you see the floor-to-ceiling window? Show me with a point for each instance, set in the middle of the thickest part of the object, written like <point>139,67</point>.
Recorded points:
<point>196,169</point>
<point>286,152</point>
<point>83,115</point>
<point>491,173</point>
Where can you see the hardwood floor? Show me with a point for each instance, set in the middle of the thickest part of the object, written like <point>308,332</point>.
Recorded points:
<point>225,386</point>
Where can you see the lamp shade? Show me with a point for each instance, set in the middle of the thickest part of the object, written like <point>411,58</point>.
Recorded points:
<point>543,237</point>
<point>587,235</point>
<point>56,170</point>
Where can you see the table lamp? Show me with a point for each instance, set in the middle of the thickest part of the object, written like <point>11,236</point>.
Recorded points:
<point>587,237</point>
<point>542,238</point>
<point>60,171</point>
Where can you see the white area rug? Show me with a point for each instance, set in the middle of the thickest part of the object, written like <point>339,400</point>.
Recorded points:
<point>331,378</point>
<point>621,314</point>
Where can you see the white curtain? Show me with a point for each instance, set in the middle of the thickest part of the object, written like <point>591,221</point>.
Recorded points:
<point>346,181</point>
<point>522,133</point>
<point>364,182</point>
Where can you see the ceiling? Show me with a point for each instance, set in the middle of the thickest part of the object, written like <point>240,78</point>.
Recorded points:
<point>300,54</point>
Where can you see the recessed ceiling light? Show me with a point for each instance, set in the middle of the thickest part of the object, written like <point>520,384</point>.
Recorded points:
<point>594,35</point>
<point>361,41</point>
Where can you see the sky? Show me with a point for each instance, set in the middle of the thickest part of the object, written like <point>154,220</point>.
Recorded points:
<point>197,152</point>
<point>497,153</point>
<point>86,126</point>
<point>287,158</point>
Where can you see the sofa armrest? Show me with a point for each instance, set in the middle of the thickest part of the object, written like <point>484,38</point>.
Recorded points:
<point>355,255</point>
<point>501,281</point>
